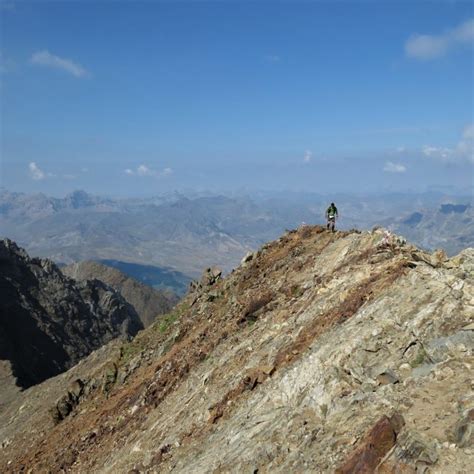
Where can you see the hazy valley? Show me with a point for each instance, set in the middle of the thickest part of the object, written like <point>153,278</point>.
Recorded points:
<point>167,240</point>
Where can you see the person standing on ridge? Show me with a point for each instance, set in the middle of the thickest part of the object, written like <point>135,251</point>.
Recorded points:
<point>331,216</point>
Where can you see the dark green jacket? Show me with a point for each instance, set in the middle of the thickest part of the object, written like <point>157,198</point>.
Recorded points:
<point>331,211</point>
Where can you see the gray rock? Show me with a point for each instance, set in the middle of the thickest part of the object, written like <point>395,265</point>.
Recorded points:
<point>442,348</point>
<point>464,430</point>
<point>249,256</point>
<point>210,276</point>
<point>212,295</point>
<point>77,388</point>
<point>387,376</point>
<point>414,449</point>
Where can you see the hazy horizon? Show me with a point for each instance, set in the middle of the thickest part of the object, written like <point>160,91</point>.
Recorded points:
<point>435,191</point>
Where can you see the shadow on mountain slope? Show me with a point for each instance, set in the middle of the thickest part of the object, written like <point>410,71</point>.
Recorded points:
<point>48,322</point>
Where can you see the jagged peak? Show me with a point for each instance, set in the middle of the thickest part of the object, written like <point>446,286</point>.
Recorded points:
<point>48,322</point>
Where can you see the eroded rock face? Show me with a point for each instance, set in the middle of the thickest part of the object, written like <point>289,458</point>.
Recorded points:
<point>323,352</point>
<point>147,302</point>
<point>48,322</point>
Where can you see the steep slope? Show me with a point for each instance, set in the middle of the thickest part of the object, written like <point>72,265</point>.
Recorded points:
<point>148,302</point>
<point>345,352</point>
<point>48,322</point>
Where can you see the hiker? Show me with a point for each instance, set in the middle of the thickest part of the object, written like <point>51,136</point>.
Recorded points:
<point>331,216</point>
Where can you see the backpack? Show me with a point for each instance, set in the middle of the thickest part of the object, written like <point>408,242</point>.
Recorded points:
<point>332,211</point>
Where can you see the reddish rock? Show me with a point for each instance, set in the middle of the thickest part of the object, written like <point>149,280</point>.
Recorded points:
<point>374,446</point>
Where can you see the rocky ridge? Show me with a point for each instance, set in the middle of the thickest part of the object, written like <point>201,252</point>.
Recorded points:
<point>321,352</point>
<point>48,322</point>
<point>147,302</point>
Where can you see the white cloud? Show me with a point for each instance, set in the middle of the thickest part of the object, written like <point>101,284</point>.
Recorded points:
<point>437,152</point>
<point>433,46</point>
<point>144,170</point>
<point>463,151</point>
<point>308,154</point>
<point>401,149</point>
<point>465,147</point>
<point>425,47</point>
<point>468,132</point>
<point>391,167</point>
<point>45,58</point>
<point>464,32</point>
<point>35,172</point>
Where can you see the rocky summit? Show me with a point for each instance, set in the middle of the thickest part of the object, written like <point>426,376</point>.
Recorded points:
<point>48,322</point>
<point>322,352</point>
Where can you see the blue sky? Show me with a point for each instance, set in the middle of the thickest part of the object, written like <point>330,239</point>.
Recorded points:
<point>136,98</point>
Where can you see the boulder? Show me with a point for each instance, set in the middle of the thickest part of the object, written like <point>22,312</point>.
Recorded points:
<point>413,449</point>
<point>374,446</point>
<point>210,276</point>
<point>249,256</point>
<point>464,430</point>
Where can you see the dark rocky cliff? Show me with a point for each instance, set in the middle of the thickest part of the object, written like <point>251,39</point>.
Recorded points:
<point>48,322</point>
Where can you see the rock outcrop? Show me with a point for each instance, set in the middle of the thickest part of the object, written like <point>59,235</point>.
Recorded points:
<point>322,353</point>
<point>147,302</point>
<point>48,322</point>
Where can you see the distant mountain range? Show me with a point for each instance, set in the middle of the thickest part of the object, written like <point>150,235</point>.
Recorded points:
<point>167,240</point>
<point>449,226</point>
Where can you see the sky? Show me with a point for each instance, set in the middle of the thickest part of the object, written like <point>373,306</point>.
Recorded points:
<point>139,98</point>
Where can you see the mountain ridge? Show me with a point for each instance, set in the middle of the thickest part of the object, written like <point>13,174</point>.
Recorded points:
<point>147,302</point>
<point>48,322</point>
<point>320,352</point>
